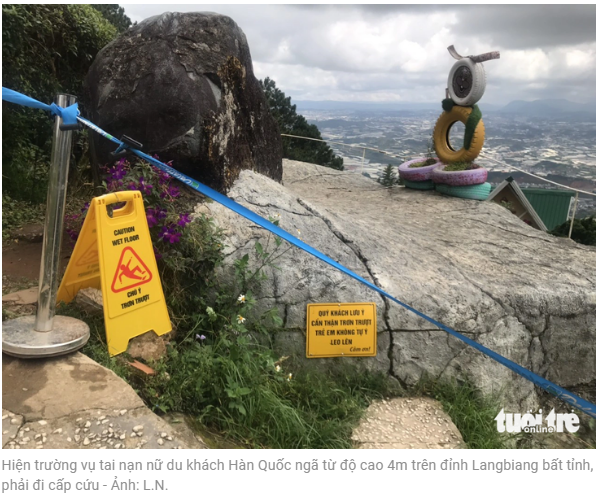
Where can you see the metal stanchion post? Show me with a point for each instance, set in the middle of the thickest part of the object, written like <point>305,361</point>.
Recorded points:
<point>573,214</point>
<point>47,335</point>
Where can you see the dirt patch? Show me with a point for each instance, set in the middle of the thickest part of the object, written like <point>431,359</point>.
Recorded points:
<point>22,259</point>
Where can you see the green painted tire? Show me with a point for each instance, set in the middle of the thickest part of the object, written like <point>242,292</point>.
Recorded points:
<point>479,192</point>
<point>424,185</point>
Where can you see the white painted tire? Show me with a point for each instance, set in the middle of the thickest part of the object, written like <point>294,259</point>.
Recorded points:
<point>467,97</point>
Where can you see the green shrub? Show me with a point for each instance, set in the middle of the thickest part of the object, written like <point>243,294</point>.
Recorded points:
<point>237,386</point>
<point>584,230</point>
<point>292,123</point>
<point>388,177</point>
<point>15,214</point>
<point>46,49</point>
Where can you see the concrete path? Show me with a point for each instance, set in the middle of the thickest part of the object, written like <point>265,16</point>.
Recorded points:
<point>72,402</point>
<point>407,423</point>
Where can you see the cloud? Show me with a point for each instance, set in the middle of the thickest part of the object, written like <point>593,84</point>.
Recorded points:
<point>398,52</point>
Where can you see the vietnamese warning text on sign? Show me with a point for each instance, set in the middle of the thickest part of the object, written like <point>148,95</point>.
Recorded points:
<point>341,330</point>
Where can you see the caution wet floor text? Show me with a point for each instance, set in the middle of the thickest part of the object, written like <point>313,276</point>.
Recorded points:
<point>114,253</point>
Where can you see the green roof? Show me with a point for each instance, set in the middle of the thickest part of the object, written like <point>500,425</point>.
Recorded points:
<point>552,206</point>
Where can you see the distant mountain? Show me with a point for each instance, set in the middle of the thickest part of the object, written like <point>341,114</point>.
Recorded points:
<point>551,108</point>
<point>542,108</point>
<point>331,105</point>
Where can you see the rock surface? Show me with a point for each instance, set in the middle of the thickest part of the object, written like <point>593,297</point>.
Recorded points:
<point>71,402</point>
<point>148,346</point>
<point>471,265</point>
<point>407,423</point>
<point>90,300</point>
<point>183,86</point>
<point>23,297</point>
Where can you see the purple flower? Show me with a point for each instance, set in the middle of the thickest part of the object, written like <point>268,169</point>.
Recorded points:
<point>73,234</point>
<point>172,191</point>
<point>84,209</point>
<point>117,172</point>
<point>143,187</point>
<point>163,177</point>
<point>168,233</point>
<point>184,219</point>
<point>161,213</point>
<point>200,337</point>
<point>152,219</point>
<point>157,254</point>
<point>154,215</point>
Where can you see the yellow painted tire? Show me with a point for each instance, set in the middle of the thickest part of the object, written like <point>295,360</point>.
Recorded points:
<point>444,151</point>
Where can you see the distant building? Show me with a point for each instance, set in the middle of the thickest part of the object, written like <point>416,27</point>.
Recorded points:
<point>553,206</point>
<point>543,209</point>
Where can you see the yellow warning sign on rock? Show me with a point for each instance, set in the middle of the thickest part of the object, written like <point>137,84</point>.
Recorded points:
<point>341,330</point>
<point>114,253</point>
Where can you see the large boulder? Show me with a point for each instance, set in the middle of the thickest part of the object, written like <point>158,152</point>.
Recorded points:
<point>183,86</point>
<point>470,265</point>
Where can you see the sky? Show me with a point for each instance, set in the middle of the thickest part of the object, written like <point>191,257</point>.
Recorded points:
<point>398,53</point>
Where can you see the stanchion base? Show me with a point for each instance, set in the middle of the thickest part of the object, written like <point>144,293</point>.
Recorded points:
<point>20,339</point>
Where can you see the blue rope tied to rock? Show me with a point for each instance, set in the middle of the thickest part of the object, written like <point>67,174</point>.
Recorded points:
<point>549,386</point>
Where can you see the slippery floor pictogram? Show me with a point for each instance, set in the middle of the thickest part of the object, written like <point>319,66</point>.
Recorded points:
<point>130,271</point>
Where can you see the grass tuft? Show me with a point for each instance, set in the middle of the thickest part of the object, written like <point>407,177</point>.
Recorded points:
<point>427,162</point>
<point>472,412</point>
<point>458,166</point>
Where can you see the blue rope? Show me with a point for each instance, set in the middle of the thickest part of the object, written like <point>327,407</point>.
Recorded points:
<point>543,383</point>
<point>68,114</point>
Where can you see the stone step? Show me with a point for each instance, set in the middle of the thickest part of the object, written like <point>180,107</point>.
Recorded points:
<point>72,402</point>
<point>407,423</point>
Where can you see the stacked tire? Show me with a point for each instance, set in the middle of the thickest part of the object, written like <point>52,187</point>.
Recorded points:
<point>418,177</point>
<point>467,184</point>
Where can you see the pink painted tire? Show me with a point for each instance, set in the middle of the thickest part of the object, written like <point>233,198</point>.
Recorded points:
<point>417,174</point>
<point>465,177</point>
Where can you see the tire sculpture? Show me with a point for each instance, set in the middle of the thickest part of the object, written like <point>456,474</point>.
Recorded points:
<point>475,176</point>
<point>442,145</point>
<point>417,174</point>
<point>466,82</point>
<point>466,85</point>
<point>479,192</point>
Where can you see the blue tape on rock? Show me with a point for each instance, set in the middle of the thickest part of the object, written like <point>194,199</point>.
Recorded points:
<point>549,386</point>
<point>69,114</point>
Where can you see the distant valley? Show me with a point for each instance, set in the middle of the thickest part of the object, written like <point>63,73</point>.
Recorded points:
<point>555,139</point>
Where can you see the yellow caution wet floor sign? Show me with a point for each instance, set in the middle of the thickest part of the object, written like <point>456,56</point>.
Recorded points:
<point>114,253</point>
